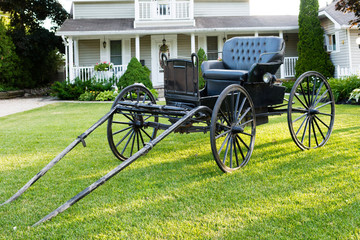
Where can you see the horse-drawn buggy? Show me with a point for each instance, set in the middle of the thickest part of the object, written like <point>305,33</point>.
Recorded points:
<point>240,93</point>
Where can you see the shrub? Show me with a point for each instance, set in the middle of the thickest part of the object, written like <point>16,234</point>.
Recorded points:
<point>342,87</point>
<point>103,66</point>
<point>135,73</point>
<point>202,57</point>
<point>288,85</point>
<point>355,94</point>
<point>106,96</point>
<point>72,91</point>
<point>88,96</point>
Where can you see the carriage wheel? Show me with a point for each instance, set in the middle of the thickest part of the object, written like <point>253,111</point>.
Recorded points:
<point>129,131</point>
<point>232,130</point>
<point>311,111</point>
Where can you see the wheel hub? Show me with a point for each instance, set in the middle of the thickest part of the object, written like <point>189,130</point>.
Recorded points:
<point>237,129</point>
<point>313,111</point>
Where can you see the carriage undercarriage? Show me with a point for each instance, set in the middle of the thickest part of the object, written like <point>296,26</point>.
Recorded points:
<point>231,117</point>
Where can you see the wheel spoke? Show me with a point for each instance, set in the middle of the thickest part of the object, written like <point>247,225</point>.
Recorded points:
<point>299,117</point>
<point>132,145</point>
<point>120,131</point>
<point>301,126</point>
<point>317,93</point>
<point>223,144</point>
<point>302,103</point>
<point>308,90</point>
<point>243,142</point>
<point>142,139</point>
<point>304,95</point>
<point>313,128</point>
<point>236,155</point>
<point>318,127</point>
<point>127,143</point>
<point>222,134</point>
<point>225,118</point>
<point>322,121</point>
<point>325,114</point>
<point>128,123</point>
<point>138,140</point>
<point>127,134</point>
<point>231,152</point>
<point>241,118</point>
<point>146,133</point>
<point>226,150</point>
<point>321,97</point>
<point>247,122</point>
<point>241,107</point>
<point>313,91</point>
<point>305,128</point>
<point>236,105</point>
<point>310,131</point>
<point>241,152</point>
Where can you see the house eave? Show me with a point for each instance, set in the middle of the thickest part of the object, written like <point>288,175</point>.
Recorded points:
<point>325,14</point>
<point>174,31</point>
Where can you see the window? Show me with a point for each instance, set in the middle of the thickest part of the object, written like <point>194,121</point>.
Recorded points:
<point>212,48</point>
<point>163,9</point>
<point>332,42</point>
<point>115,52</point>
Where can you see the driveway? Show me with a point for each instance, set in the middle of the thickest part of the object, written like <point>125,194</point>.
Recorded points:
<point>15,105</point>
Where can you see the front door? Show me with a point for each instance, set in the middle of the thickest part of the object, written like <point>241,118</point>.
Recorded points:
<point>157,49</point>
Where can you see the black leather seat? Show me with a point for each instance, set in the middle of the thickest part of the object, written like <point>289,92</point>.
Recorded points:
<point>244,59</point>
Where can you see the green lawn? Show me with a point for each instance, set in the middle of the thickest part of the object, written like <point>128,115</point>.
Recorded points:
<point>177,191</point>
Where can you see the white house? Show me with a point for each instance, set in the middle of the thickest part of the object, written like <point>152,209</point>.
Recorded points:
<point>341,40</point>
<point>117,30</point>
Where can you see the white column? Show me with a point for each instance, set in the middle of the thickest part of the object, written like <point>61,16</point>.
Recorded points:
<point>256,34</point>
<point>76,52</point>
<point>137,47</point>
<point>282,67</point>
<point>193,43</point>
<point>71,59</point>
<point>220,46</point>
<point>202,43</point>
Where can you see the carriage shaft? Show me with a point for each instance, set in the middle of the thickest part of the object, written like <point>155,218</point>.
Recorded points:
<point>124,164</point>
<point>60,156</point>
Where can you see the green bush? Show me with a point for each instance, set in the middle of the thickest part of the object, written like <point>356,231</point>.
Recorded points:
<point>72,91</point>
<point>355,94</point>
<point>202,57</point>
<point>88,96</point>
<point>288,85</point>
<point>342,87</point>
<point>135,73</point>
<point>106,96</point>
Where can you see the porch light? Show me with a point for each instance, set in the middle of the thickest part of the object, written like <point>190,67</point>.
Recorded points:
<point>358,41</point>
<point>164,48</point>
<point>104,44</point>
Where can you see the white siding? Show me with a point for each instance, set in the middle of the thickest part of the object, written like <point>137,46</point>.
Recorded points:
<point>104,10</point>
<point>355,51</point>
<point>340,57</point>
<point>221,8</point>
<point>89,52</point>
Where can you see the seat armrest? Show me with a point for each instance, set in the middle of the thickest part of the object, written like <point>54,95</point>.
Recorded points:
<point>212,64</point>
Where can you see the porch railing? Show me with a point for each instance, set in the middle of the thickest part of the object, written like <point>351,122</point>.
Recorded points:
<point>85,73</point>
<point>289,67</point>
<point>346,71</point>
<point>159,10</point>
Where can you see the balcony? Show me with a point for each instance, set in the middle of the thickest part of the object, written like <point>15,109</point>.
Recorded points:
<point>164,13</point>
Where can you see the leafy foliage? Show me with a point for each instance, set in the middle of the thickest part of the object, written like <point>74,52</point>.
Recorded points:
<point>355,94</point>
<point>9,61</point>
<point>103,66</point>
<point>135,73</point>
<point>288,85</point>
<point>342,87</point>
<point>202,57</point>
<point>348,6</point>
<point>106,96</point>
<point>36,46</point>
<point>312,55</point>
<point>72,91</point>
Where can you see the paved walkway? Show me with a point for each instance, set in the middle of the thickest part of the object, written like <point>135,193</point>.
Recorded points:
<point>15,105</point>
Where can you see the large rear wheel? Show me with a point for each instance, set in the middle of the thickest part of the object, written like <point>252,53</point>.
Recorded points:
<point>311,111</point>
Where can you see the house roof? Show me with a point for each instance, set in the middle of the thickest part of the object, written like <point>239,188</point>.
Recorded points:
<point>76,27</point>
<point>340,18</point>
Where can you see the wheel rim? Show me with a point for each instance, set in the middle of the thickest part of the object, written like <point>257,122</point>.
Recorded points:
<point>311,111</point>
<point>129,131</point>
<point>232,130</point>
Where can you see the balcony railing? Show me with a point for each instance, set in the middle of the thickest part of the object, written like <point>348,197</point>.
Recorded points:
<point>346,71</point>
<point>86,73</point>
<point>160,10</point>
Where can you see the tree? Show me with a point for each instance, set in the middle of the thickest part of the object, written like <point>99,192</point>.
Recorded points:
<point>135,73</point>
<point>35,45</point>
<point>9,61</point>
<point>348,6</point>
<point>312,55</point>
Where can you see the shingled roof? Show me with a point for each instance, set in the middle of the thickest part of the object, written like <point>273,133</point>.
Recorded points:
<point>341,18</point>
<point>202,24</point>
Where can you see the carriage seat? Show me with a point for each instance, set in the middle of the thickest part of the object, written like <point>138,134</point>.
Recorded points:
<point>244,59</point>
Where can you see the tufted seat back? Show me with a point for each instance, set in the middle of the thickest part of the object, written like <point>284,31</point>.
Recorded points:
<point>240,53</point>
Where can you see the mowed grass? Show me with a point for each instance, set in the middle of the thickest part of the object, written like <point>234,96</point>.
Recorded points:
<point>177,191</point>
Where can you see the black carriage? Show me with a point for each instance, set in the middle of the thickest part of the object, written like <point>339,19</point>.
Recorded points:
<point>241,92</point>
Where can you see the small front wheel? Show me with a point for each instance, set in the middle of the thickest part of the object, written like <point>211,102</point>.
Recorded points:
<point>128,131</point>
<point>311,111</point>
<point>232,130</point>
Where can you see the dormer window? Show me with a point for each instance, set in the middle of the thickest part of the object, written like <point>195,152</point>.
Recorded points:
<point>163,9</point>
